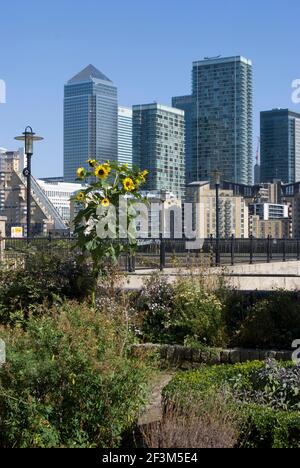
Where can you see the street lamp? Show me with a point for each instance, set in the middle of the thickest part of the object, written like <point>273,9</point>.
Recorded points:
<point>217,177</point>
<point>28,137</point>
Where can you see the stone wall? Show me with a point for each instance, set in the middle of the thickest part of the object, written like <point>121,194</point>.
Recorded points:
<point>186,358</point>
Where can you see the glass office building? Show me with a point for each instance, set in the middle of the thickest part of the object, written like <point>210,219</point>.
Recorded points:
<point>90,120</point>
<point>125,136</point>
<point>223,119</point>
<point>186,103</point>
<point>159,146</point>
<point>280,146</point>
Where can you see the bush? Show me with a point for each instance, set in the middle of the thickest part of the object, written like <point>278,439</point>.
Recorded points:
<point>175,314</point>
<point>44,276</point>
<point>267,428</point>
<point>275,386</point>
<point>261,426</point>
<point>155,308</point>
<point>273,322</point>
<point>68,381</point>
<point>197,314</point>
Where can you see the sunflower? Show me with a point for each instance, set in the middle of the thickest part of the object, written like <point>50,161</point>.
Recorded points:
<point>80,197</point>
<point>81,172</point>
<point>145,173</point>
<point>108,168</point>
<point>105,202</point>
<point>102,172</point>
<point>92,162</point>
<point>128,184</point>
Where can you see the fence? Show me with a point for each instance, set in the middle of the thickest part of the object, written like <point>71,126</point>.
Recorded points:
<point>167,253</point>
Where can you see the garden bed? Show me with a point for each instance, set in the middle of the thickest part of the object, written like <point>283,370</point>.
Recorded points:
<point>264,399</point>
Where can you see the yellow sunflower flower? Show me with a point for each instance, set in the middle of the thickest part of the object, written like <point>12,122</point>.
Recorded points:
<point>105,202</point>
<point>80,197</point>
<point>101,172</point>
<point>81,172</point>
<point>128,184</point>
<point>92,162</point>
<point>145,173</point>
<point>108,168</point>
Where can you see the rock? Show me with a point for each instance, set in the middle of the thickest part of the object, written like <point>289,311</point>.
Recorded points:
<point>235,356</point>
<point>225,356</point>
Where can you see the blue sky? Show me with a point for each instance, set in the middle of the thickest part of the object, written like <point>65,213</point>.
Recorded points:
<point>146,47</point>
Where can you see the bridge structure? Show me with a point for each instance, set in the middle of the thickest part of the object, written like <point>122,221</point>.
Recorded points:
<point>245,264</point>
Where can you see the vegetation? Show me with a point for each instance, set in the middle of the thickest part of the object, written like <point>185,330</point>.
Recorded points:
<point>99,224</point>
<point>44,277</point>
<point>190,312</point>
<point>175,314</point>
<point>211,423</point>
<point>271,322</point>
<point>68,380</point>
<point>71,381</point>
<point>266,398</point>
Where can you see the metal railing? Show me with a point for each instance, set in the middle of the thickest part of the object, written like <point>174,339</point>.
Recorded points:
<point>160,254</point>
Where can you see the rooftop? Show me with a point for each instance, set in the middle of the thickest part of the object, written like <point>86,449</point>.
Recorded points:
<point>217,60</point>
<point>157,106</point>
<point>89,74</point>
<point>280,111</point>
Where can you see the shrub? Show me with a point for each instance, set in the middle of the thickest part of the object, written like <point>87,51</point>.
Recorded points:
<point>261,426</point>
<point>273,322</point>
<point>197,315</point>
<point>275,386</point>
<point>155,307</point>
<point>267,428</point>
<point>68,381</point>
<point>44,276</point>
<point>180,313</point>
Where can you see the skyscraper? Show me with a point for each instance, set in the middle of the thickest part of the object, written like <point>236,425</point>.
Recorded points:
<point>280,145</point>
<point>256,174</point>
<point>125,136</point>
<point>90,120</point>
<point>222,123</point>
<point>158,145</point>
<point>186,103</point>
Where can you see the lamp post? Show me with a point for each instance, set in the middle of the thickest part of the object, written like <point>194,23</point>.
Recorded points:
<point>163,198</point>
<point>217,177</point>
<point>28,137</point>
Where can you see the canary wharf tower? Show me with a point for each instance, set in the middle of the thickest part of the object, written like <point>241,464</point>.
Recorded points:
<point>90,120</point>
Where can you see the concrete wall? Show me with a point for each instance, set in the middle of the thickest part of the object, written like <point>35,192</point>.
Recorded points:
<point>244,277</point>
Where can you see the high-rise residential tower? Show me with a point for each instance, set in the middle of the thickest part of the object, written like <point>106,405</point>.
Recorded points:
<point>158,145</point>
<point>186,103</point>
<point>125,136</point>
<point>223,119</point>
<point>280,146</point>
<point>90,120</point>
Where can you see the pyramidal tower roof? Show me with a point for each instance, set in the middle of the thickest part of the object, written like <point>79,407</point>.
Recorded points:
<point>88,74</point>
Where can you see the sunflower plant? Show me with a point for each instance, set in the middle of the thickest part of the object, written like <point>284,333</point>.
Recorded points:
<point>107,184</point>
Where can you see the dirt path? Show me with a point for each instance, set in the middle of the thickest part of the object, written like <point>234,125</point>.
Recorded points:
<point>153,411</point>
